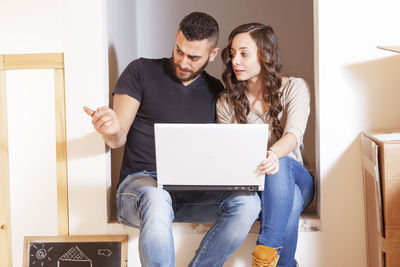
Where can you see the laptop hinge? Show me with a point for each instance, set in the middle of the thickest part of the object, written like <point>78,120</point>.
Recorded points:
<point>210,187</point>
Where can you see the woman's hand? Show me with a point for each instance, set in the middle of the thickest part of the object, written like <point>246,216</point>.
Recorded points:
<point>271,164</point>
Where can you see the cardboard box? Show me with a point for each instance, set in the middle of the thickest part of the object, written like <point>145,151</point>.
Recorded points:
<point>381,169</point>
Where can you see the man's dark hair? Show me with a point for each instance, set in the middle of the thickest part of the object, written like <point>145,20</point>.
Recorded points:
<point>198,26</point>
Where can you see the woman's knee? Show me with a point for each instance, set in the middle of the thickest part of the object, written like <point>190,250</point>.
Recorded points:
<point>285,171</point>
<point>298,201</point>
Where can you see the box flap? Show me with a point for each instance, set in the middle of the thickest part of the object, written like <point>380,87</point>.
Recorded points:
<point>384,136</point>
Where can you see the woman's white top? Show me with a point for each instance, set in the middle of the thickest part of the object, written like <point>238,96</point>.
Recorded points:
<point>293,117</point>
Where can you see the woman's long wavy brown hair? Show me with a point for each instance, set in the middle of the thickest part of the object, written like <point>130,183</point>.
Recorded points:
<point>270,61</point>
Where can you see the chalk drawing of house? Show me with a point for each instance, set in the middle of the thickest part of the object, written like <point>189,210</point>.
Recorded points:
<point>74,258</point>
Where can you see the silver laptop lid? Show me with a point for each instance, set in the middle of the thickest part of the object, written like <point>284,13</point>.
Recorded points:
<point>210,156</point>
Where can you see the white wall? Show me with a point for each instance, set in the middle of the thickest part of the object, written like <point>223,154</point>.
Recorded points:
<point>122,49</point>
<point>86,82</point>
<point>32,154</point>
<point>358,89</point>
<point>31,26</point>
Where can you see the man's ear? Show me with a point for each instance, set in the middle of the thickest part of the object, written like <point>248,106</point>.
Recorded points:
<point>214,53</point>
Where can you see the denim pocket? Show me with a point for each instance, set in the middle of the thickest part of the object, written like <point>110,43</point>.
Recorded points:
<point>125,205</point>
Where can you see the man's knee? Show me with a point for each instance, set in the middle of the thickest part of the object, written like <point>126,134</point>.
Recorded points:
<point>127,209</point>
<point>246,204</point>
<point>143,202</point>
<point>155,198</point>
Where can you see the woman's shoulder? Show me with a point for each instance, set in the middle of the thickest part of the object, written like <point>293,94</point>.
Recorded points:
<point>297,81</point>
<point>223,100</point>
<point>294,82</point>
<point>295,86</point>
<point>223,109</point>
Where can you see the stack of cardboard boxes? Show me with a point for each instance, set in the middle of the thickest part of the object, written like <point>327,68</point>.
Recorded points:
<point>381,168</point>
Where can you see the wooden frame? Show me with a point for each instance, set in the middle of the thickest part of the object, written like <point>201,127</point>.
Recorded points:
<point>123,239</point>
<point>33,61</point>
<point>5,226</point>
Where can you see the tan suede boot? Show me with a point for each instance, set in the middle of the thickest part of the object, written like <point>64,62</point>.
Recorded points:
<point>264,256</point>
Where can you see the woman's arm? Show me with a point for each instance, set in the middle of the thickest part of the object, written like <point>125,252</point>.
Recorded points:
<point>284,145</point>
<point>281,148</point>
<point>297,102</point>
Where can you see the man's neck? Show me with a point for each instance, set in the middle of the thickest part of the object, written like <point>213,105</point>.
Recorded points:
<point>186,83</point>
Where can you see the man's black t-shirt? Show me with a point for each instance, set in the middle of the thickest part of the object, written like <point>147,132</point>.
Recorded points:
<point>163,99</point>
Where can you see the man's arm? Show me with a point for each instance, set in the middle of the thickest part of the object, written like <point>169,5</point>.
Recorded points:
<point>114,125</point>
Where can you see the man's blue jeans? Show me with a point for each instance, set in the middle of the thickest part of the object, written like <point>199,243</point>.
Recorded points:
<point>141,204</point>
<point>286,194</point>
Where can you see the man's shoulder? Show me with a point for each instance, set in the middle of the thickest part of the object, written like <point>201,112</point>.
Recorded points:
<point>146,61</point>
<point>146,67</point>
<point>210,77</point>
<point>213,82</point>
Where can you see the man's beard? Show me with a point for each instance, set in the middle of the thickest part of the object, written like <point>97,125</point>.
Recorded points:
<point>192,76</point>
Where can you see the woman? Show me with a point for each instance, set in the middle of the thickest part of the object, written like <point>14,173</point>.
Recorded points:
<point>256,92</point>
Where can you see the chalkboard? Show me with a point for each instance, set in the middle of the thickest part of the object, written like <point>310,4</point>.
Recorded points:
<point>75,251</point>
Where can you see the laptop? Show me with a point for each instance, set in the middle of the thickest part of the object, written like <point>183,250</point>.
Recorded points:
<point>210,156</point>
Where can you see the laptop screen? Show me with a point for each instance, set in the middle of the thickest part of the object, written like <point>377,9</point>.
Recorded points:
<point>210,156</point>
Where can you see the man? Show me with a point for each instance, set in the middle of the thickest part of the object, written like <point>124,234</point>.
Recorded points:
<point>172,90</point>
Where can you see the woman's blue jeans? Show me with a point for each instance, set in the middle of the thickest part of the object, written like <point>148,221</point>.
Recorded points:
<point>142,205</point>
<point>286,194</point>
